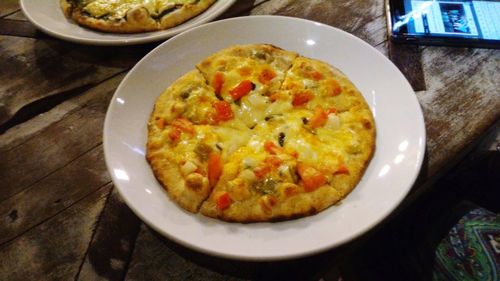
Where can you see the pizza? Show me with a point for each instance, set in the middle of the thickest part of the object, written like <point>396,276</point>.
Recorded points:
<point>256,133</point>
<point>132,16</point>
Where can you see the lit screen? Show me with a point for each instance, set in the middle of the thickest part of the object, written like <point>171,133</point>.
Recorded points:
<point>454,18</point>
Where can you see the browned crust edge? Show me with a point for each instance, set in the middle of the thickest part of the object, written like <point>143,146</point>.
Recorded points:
<point>166,170</point>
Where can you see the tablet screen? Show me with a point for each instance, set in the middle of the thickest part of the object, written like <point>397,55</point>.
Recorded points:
<point>451,18</point>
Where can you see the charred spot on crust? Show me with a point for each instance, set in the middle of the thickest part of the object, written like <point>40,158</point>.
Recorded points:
<point>367,124</point>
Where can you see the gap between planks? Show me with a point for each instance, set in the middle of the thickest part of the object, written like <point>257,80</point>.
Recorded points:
<point>54,215</point>
<point>10,13</point>
<point>85,106</point>
<point>94,231</point>
<point>54,101</point>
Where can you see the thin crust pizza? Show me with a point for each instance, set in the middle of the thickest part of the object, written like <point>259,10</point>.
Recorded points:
<point>132,16</point>
<point>256,133</point>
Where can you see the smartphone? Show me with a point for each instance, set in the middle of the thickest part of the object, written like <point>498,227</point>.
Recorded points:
<point>474,23</point>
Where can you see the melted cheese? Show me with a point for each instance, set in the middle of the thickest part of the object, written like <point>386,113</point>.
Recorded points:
<point>117,9</point>
<point>294,139</point>
<point>257,120</point>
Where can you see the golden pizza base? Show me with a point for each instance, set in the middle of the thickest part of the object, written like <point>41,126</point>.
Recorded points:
<point>132,16</point>
<point>257,133</point>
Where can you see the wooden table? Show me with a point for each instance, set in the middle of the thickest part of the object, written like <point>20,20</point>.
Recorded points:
<point>61,217</point>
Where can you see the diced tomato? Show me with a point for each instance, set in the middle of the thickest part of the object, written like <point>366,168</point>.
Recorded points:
<point>301,98</point>
<point>273,161</point>
<point>272,148</point>
<point>266,75</point>
<point>174,134</point>
<point>223,111</point>
<point>242,89</point>
<point>218,82</point>
<point>290,190</point>
<point>331,110</point>
<point>245,71</point>
<point>292,86</point>
<point>342,170</point>
<point>160,123</point>
<point>335,88</point>
<point>274,96</point>
<point>262,170</point>
<point>223,201</point>
<point>184,125</point>
<point>214,168</point>
<point>311,178</point>
<point>315,75</point>
<point>319,118</point>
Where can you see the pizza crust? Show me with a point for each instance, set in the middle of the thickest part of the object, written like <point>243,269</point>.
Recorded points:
<point>161,157</point>
<point>137,19</point>
<point>185,13</point>
<point>300,205</point>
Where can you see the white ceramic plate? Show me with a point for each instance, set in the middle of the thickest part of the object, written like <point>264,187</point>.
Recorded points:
<point>48,17</point>
<point>390,175</point>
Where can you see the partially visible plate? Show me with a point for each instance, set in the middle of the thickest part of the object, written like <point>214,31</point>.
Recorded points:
<point>390,175</point>
<point>48,17</point>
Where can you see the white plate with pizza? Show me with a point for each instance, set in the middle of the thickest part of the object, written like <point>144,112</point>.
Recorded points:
<point>48,16</point>
<point>396,162</point>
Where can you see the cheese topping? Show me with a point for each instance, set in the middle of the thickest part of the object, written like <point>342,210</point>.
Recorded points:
<point>258,120</point>
<point>117,9</point>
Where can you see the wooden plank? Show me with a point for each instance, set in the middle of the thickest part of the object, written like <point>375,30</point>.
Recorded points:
<point>53,194</point>
<point>57,144</point>
<point>383,48</point>
<point>154,259</point>
<point>19,15</point>
<point>21,133</point>
<point>8,7</point>
<point>55,249</point>
<point>407,59</point>
<point>157,258</point>
<point>462,99</point>
<point>32,70</point>
<point>364,19</point>
<point>113,242</point>
<point>240,8</point>
<point>13,27</point>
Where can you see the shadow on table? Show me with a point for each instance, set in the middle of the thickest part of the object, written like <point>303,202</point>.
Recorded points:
<point>207,267</point>
<point>405,249</point>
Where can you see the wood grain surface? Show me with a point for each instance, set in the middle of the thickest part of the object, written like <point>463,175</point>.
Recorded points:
<point>62,219</point>
<point>8,7</point>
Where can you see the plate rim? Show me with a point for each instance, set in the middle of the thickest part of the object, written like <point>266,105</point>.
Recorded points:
<point>162,34</point>
<point>419,158</point>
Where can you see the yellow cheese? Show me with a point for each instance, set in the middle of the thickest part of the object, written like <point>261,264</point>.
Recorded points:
<point>116,9</point>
